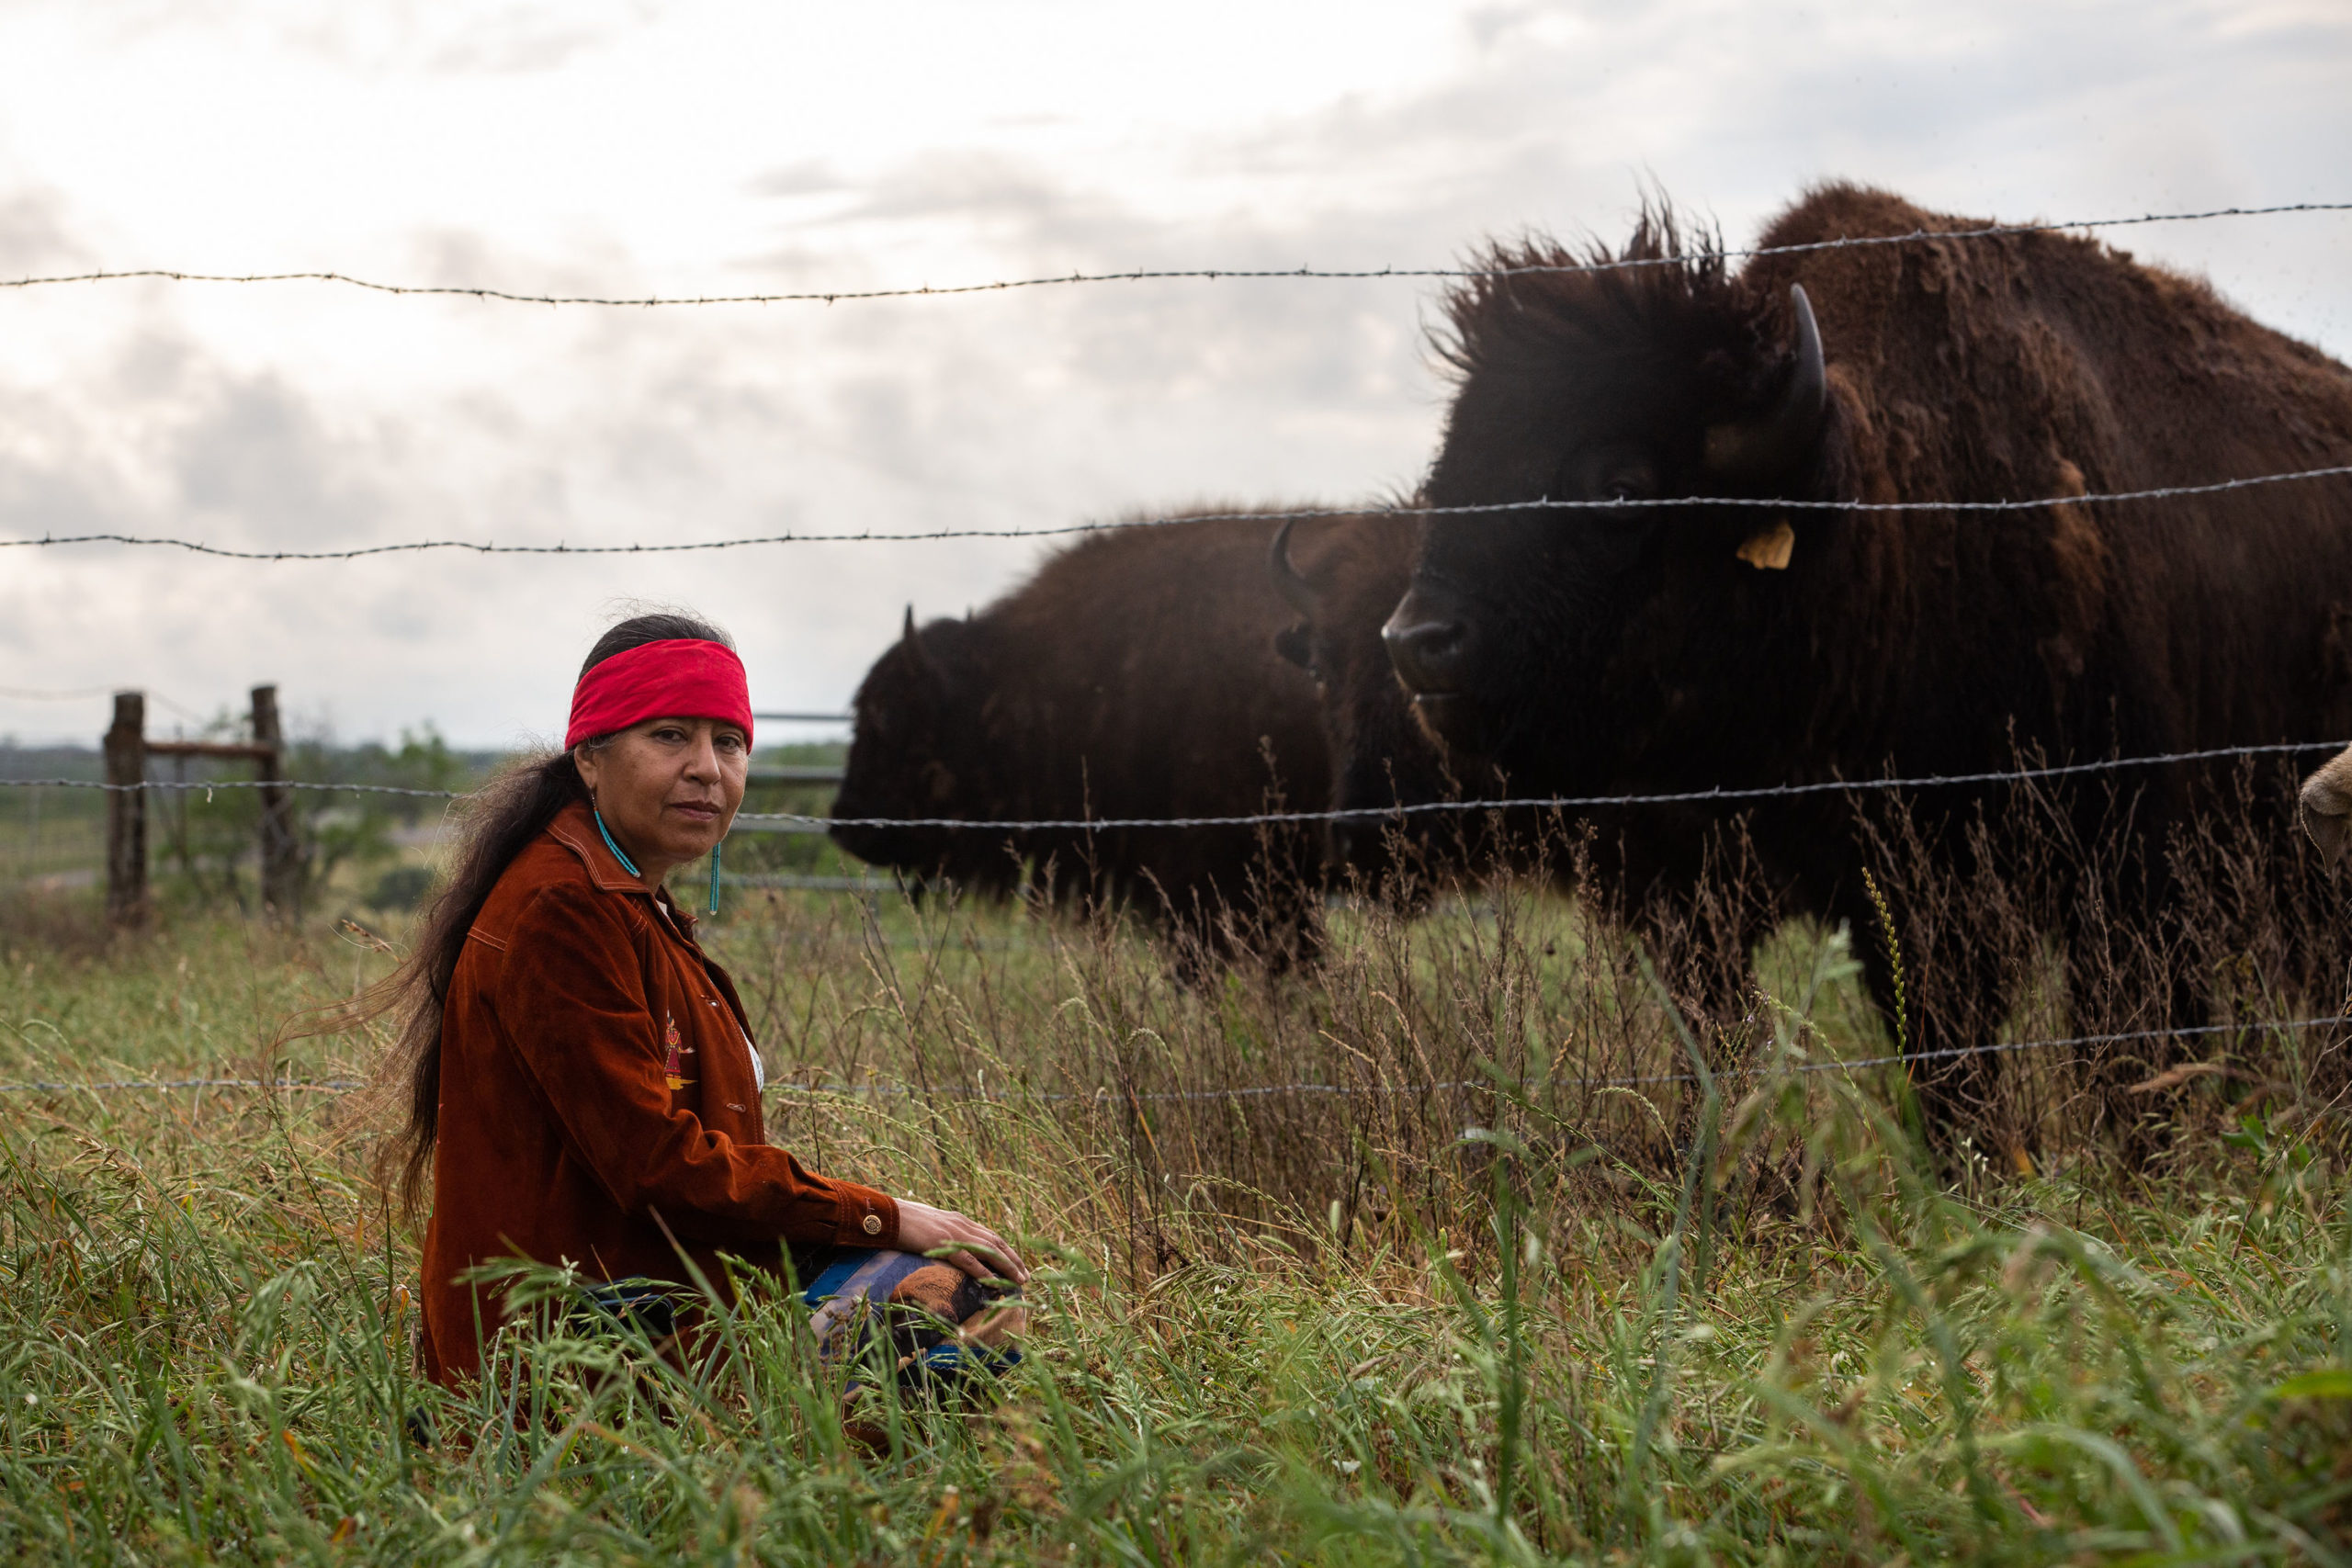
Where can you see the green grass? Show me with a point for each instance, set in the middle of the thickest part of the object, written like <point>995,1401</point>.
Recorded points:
<point>1401,1326</point>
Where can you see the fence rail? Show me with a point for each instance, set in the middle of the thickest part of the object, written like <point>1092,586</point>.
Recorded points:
<point>127,750</point>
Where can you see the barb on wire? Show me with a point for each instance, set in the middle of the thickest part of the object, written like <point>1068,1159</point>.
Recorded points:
<point>867,537</point>
<point>1259,1091</point>
<point>1150,275</point>
<point>1357,814</point>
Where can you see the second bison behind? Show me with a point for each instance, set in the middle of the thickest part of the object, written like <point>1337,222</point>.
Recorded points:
<point>1134,675</point>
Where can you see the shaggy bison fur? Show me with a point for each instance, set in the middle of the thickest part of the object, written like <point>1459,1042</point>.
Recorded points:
<point>1133,675</point>
<point>1670,648</point>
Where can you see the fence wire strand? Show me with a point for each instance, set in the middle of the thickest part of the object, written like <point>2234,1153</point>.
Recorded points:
<point>1773,504</point>
<point>1259,1091</point>
<point>1559,802</point>
<point>1150,275</point>
<point>1276,819</point>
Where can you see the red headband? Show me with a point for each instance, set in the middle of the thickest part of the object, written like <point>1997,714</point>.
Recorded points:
<point>676,678</point>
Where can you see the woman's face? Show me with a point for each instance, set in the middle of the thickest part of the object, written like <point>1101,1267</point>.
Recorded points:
<point>668,788</point>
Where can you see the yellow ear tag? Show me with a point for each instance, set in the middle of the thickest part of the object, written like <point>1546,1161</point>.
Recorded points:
<point>1769,549</point>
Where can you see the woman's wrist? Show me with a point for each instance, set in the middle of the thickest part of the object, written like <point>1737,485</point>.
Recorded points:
<point>868,1218</point>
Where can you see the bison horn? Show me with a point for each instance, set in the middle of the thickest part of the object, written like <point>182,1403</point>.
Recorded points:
<point>1289,582</point>
<point>913,645</point>
<point>1775,441</point>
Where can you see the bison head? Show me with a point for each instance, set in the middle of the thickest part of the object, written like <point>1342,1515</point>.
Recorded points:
<point>919,750</point>
<point>1343,580</point>
<point>1532,635</point>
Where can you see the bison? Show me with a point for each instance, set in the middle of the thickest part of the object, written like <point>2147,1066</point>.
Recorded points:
<point>1646,648</point>
<point>1133,675</point>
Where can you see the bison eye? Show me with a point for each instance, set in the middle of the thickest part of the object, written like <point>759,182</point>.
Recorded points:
<point>1294,643</point>
<point>1629,484</point>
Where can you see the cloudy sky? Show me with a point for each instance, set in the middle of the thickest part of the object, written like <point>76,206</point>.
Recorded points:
<point>597,146</point>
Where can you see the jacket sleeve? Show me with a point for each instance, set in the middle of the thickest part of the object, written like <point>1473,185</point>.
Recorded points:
<point>571,997</point>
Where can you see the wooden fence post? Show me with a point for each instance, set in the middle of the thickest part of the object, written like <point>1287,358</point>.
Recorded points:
<point>126,750</point>
<point>281,848</point>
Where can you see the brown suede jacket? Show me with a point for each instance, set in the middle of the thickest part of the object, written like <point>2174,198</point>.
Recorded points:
<point>599,1096</point>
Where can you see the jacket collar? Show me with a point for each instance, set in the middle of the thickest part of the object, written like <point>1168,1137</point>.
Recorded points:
<point>576,830</point>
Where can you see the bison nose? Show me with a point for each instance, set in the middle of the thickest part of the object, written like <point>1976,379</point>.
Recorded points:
<point>1426,643</point>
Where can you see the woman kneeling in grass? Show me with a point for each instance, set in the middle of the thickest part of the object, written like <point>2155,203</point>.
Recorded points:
<point>581,1077</point>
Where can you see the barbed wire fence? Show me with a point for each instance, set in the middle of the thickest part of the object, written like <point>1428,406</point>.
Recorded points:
<point>1243,1092</point>
<point>1593,265</point>
<point>1733,795</point>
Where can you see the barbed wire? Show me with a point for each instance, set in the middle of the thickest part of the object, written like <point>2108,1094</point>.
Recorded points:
<point>1558,803</point>
<point>1774,503</point>
<point>1276,819</point>
<point>1257,1091</point>
<point>1150,275</point>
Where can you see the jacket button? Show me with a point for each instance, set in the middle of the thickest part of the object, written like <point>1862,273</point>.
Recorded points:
<point>873,1225</point>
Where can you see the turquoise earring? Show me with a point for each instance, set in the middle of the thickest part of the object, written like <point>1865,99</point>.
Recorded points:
<point>627,864</point>
<point>714,874</point>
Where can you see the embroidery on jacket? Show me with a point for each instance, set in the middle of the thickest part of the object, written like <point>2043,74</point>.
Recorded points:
<point>672,1066</point>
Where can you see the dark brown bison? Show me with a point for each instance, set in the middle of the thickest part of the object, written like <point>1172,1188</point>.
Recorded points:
<point>1133,675</point>
<point>1649,649</point>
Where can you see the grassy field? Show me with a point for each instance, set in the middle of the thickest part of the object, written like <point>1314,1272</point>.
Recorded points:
<point>1449,1300</point>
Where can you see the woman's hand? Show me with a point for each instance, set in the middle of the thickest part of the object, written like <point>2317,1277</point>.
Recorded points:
<point>923,1228</point>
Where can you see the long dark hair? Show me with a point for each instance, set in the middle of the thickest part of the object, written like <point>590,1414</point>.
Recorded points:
<point>508,813</point>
